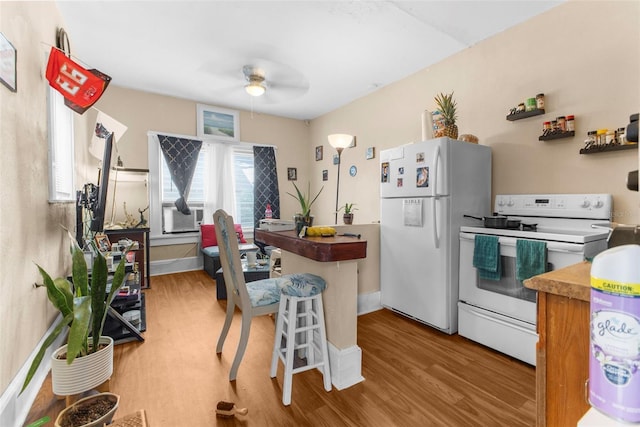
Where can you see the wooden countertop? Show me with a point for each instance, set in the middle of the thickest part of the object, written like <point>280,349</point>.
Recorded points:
<point>323,249</point>
<point>573,281</point>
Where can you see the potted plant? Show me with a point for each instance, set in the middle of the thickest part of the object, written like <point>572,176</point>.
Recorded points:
<point>304,216</point>
<point>86,361</point>
<point>347,217</point>
<point>93,411</point>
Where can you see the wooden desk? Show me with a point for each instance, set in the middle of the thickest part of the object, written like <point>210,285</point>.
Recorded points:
<point>335,260</point>
<point>562,360</point>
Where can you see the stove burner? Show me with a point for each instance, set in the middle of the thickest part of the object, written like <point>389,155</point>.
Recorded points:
<point>528,227</point>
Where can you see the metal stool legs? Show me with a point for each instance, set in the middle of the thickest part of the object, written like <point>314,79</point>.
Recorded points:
<point>300,326</point>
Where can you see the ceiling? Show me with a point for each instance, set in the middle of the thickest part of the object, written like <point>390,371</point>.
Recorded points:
<point>316,55</point>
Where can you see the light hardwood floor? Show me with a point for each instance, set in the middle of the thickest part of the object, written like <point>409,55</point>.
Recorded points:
<point>414,375</point>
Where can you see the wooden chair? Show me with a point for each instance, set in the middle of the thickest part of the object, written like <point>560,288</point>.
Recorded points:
<point>256,298</point>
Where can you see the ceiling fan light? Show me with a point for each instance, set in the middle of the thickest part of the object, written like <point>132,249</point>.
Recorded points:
<point>255,89</point>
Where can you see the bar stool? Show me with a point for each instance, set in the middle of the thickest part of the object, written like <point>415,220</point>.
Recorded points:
<point>300,326</point>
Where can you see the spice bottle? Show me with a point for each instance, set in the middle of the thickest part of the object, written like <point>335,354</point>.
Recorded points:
<point>546,128</point>
<point>601,136</point>
<point>570,124</point>
<point>610,138</point>
<point>540,101</point>
<point>621,136</point>
<point>268,213</point>
<point>591,139</point>
<point>562,124</point>
<point>530,104</point>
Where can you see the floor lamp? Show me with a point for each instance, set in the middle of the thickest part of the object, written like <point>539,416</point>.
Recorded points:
<point>339,141</point>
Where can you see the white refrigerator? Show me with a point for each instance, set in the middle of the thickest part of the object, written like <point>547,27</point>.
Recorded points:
<point>425,189</point>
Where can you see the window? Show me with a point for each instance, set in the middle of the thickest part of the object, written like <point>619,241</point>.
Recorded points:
<point>239,185</point>
<point>61,160</point>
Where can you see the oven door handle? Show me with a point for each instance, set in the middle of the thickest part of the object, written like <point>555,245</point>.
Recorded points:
<point>569,248</point>
<point>499,321</point>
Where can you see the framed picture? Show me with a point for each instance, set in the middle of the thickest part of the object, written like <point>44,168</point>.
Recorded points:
<point>371,153</point>
<point>353,142</point>
<point>292,174</point>
<point>218,123</point>
<point>384,172</point>
<point>325,175</point>
<point>336,159</point>
<point>318,153</point>
<point>8,64</point>
<point>102,242</point>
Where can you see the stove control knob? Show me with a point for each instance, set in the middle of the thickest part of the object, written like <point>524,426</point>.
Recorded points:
<point>585,204</point>
<point>598,204</point>
<point>510,202</point>
<point>500,201</point>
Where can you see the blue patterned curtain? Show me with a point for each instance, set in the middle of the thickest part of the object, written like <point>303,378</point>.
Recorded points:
<point>265,184</point>
<point>181,155</point>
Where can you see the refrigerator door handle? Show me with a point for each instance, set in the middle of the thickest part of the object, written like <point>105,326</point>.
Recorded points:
<point>435,172</point>
<point>434,217</point>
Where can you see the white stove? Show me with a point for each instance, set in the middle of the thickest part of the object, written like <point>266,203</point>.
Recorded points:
<point>501,313</point>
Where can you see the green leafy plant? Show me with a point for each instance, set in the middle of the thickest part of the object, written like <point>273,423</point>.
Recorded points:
<point>448,108</point>
<point>83,305</point>
<point>305,200</point>
<point>348,208</point>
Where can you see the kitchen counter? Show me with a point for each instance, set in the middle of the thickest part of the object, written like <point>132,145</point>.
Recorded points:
<point>562,351</point>
<point>335,259</point>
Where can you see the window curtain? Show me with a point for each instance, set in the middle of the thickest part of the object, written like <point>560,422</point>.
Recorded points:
<point>219,183</point>
<point>265,184</point>
<point>181,155</point>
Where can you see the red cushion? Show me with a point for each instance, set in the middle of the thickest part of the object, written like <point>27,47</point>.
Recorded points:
<point>208,233</point>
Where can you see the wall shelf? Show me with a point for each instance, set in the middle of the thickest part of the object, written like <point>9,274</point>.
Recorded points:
<point>525,114</point>
<point>593,150</point>
<point>557,135</point>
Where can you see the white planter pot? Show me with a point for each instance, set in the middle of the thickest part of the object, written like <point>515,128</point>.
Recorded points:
<point>85,373</point>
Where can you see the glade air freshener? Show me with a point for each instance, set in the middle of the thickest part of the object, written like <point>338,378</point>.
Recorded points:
<point>614,380</point>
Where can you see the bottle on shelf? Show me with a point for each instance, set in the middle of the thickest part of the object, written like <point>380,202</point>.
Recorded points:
<point>268,213</point>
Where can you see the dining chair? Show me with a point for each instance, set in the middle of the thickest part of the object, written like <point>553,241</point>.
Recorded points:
<point>257,298</point>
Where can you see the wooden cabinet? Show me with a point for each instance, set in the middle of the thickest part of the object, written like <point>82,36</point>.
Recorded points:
<point>562,362</point>
<point>140,235</point>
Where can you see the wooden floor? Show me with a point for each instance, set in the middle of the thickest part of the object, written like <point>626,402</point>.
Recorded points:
<point>414,375</point>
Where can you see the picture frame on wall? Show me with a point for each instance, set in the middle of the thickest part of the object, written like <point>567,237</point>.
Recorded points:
<point>292,174</point>
<point>102,242</point>
<point>8,64</point>
<point>318,153</point>
<point>370,153</point>
<point>217,123</point>
<point>325,175</point>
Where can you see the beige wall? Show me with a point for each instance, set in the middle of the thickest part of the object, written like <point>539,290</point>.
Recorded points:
<point>29,226</point>
<point>584,68</point>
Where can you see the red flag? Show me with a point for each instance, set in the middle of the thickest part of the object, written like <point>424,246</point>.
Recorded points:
<point>79,86</point>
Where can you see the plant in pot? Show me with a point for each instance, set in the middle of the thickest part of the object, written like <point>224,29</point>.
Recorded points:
<point>304,218</point>
<point>347,216</point>
<point>86,361</point>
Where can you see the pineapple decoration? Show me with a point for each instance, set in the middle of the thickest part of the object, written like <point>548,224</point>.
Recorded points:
<point>447,107</point>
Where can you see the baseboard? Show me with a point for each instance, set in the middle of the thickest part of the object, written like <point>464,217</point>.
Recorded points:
<point>177,265</point>
<point>368,303</point>
<point>346,366</point>
<point>15,408</point>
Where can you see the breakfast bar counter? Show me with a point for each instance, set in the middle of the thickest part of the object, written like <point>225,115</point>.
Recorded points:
<point>335,259</point>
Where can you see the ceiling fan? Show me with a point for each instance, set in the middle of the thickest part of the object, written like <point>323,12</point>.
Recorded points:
<point>256,82</point>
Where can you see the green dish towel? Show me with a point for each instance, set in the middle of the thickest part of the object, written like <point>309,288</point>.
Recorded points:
<point>531,258</point>
<point>486,257</point>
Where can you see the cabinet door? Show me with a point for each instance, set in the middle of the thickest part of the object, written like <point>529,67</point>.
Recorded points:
<point>563,360</point>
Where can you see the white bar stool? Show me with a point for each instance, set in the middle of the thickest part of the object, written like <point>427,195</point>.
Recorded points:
<point>300,326</point>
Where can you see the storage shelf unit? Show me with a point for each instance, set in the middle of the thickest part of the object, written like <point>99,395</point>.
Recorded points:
<point>140,235</point>
<point>558,135</point>
<point>525,114</point>
<point>593,150</point>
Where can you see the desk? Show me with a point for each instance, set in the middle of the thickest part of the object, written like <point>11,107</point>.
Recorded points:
<point>335,260</point>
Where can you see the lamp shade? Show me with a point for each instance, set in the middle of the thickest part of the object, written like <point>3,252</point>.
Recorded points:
<point>340,140</point>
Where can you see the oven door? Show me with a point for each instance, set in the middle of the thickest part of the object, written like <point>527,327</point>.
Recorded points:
<point>508,296</point>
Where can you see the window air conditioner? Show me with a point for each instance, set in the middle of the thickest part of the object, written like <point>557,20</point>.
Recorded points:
<point>174,221</point>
